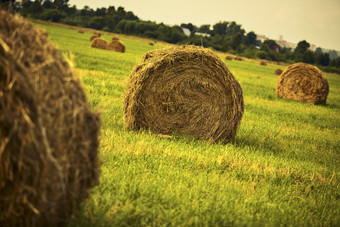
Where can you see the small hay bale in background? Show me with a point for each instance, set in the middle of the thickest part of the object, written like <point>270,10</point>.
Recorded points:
<point>262,62</point>
<point>99,43</point>
<point>228,57</point>
<point>98,34</point>
<point>238,59</point>
<point>115,38</point>
<point>81,31</point>
<point>187,89</point>
<point>278,72</point>
<point>93,37</point>
<point>116,45</point>
<point>48,134</point>
<point>303,82</point>
<point>151,43</point>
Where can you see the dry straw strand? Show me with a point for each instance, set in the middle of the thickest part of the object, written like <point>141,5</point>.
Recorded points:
<point>303,82</point>
<point>48,134</point>
<point>187,89</point>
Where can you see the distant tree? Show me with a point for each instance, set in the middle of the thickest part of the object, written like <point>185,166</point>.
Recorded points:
<point>220,28</point>
<point>250,39</point>
<point>189,26</point>
<point>111,10</point>
<point>234,28</point>
<point>36,8</point>
<point>100,12</point>
<point>302,47</point>
<point>205,28</point>
<point>54,15</point>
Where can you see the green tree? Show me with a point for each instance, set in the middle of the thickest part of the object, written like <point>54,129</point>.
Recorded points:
<point>220,28</point>
<point>250,39</point>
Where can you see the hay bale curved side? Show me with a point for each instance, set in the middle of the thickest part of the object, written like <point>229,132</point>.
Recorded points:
<point>116,45</point>
<point>48,134</point>
<point>99,43</point>
<point>303,82</point>
<point>187,89</point>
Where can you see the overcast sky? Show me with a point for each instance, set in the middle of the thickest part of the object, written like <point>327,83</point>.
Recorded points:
<point>316,21</point>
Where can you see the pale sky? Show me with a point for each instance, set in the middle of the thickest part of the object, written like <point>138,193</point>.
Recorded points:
<point>316,21</point>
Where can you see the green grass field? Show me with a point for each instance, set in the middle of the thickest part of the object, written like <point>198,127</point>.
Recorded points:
<point>282,168</point>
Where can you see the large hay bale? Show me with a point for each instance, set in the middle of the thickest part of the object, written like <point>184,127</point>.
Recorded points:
<point>303,82</point>
<point>48,134</point>
<point>187,89</point>
<point>99,43</point>
<point>116,45</point>
<point>278,72</point>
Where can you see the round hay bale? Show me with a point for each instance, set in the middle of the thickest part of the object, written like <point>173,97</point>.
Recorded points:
<point>238,59</point>
<point>264,63</point>
<point>48,134</point>
<point>99,43</point>
<point>116,45</point>
<point>115,38</point>
<point>98,34</point>
<point>151,43</point>
<point>303,82</point>
<point>278,72</point>
<point>187,89</point>
<point>93,37</point>
<point>81,31</point>
<point>228,57</point>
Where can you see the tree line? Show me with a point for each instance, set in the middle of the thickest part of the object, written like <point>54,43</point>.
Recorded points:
<point>223,36</point>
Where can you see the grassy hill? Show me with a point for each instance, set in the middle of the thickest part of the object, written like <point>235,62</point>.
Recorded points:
<point>282,169</point>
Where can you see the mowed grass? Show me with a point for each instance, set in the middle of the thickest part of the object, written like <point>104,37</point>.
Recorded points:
<point>282,168</point>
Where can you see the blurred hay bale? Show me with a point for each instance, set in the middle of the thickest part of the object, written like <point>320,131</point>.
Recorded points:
<point>81,31</point>
<point>99,43</point>
<point>262,62</point>
<point>93,37</point>
<point>96,33</point>
<point>48,134</point>
<point>115,38</point>
<point>303,82</point>
<point>116,45</point>
<point>278,72</point>
<point>228,57</point>
<point>238,59</point>
<point>151,43</point>
<point>187,89</point>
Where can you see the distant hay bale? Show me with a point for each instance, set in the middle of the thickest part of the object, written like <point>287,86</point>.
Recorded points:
<point>228,57</point>
<point>93,37</point>
<point>116,45</point>
<point>264,63</point>
<point>238,59</point>
<point>48,134</point>
<point>151,43</point>
<point>81,31</point>
<point>303,82</point>
<point>98,34</point>
<point>187,89</point>
<point>115,38</point>
<point>278,72</point>
<point>99,43</point>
